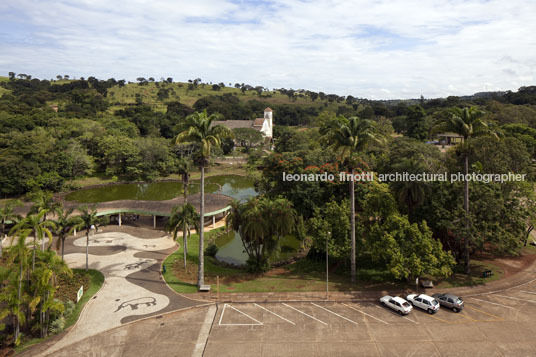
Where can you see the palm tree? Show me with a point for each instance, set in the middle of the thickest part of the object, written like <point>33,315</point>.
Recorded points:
<point>65,225</point>
<point>12,294</point>
<point>467,122</point>
<point>39,227</point>
<point>183,169</point>
<point>44,276</point>
<point>410,193</point>
<point>198,130</point>
<point>89,220</point>
<point>349,137</point>
<point>7,214</point>
<point>43,200</point>
<point>183,217</point>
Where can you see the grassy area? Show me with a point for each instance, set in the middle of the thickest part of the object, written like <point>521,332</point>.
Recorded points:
<point>303,275</point>
<point>119,97</point>
<point>458,279</point>
<point>127,95</point>
<point>2,89</point>
<point>96,279</point>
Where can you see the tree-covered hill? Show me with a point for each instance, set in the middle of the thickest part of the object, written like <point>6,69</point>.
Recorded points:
<point>52,131</point>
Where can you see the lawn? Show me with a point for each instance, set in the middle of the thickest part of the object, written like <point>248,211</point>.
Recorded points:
<point>458,279</point>
<point>303,275</point>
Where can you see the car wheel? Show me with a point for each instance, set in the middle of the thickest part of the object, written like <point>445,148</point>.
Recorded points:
<point>399,312</point>
<point>430,311</point>
<point>383,304</point>
<point>454,309</point>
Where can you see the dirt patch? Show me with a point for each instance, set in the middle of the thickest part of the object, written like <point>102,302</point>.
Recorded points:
<point>68,287</point>
<point>513,265</point>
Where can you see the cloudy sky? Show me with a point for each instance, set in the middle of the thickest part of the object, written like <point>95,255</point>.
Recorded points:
<point>373,49</point>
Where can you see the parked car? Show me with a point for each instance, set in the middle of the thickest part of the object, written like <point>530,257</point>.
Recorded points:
<point>425,302</point>
<point>450,301</point>
<point>397,304</point>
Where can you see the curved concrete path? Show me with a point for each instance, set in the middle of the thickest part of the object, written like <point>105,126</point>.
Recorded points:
<point>133,286</point>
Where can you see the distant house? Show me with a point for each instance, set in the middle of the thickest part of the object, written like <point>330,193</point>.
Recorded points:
<point>54,107</point>
<point>450,139</point>
<point>264,125</point>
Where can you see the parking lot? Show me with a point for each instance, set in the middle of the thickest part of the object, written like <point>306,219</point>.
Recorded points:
<point>499,323</point>
<point>495,324</point>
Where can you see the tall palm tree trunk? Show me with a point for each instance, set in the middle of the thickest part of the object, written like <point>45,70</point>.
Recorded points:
<point>184,228</point>
<point>466,207</point>
<point>2,236</point>
<point>201,269</point>
<point>62,247</point>
<point>87,249</point>
<point>352,223</point>
<point>184,243</point>
<point>34,249</point>
<point>17,325</point>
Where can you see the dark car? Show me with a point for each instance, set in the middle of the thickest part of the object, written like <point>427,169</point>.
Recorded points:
<point>450,301</point>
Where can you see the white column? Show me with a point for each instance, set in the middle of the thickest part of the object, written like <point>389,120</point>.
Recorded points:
<point>74,233</point>
<point>119,219</point>
<point>214,221</point>
<point>154,222</point>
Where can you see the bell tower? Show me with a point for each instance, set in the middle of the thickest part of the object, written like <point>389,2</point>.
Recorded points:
<point>268,117</point>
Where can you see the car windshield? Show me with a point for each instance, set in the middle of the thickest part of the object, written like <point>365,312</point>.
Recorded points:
<point>405,304</point>
<point>434,302</point>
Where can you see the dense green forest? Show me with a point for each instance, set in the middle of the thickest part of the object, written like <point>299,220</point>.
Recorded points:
<point>53,132</point>
<point>121,129</point>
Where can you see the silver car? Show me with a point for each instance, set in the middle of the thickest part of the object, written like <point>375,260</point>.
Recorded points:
<point>450,301</point>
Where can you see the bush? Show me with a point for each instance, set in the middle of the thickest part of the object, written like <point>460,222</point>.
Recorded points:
<point>211,250</point>
<point>57,325</point>
<point>69,307</point>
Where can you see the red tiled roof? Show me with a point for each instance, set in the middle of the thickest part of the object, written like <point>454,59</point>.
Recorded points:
<point>234,124</point>
<point>258,122</point>
<point>268,109</point>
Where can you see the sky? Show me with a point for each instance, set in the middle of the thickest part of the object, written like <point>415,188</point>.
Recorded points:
<point>368,49</point>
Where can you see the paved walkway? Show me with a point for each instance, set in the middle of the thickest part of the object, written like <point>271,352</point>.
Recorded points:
<point>133,286</point>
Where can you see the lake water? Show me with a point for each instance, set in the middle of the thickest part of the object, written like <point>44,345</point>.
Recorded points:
<point>238,187</point>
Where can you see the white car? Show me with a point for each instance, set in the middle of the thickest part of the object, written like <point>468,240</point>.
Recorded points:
<point>425,302</point>
<point>397,304</point>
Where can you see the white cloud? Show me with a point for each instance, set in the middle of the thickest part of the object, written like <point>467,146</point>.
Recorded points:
<point>379,49</point>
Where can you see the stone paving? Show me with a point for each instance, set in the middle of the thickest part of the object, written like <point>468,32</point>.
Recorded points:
<point>133,287</point>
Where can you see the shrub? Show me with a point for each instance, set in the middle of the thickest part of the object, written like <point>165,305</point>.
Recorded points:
<point>57,325</point>
<point>211,250</point>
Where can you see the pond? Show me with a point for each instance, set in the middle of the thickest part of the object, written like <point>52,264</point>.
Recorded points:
<point>238,187</point>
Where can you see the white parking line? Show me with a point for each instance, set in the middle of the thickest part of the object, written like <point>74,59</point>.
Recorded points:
<point>391,311</point>
<point>334,313</point>
<point>258,323</point>
<point>493,303</point>
<point>527,292</point>
<point>514,298</point>
<point>364,313</point>
<point>281,317</point>
<point>301,312</point>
